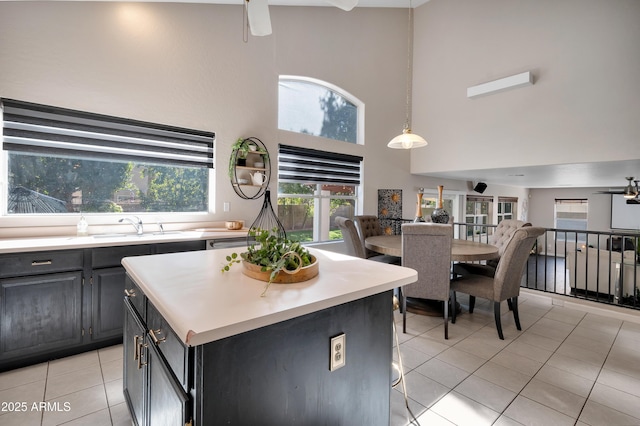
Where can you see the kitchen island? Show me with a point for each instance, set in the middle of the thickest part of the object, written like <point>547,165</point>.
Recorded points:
<point>202,346</point>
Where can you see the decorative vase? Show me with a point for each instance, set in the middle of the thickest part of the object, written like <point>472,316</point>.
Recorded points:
<point>440,215</point>
<point>419,217</point>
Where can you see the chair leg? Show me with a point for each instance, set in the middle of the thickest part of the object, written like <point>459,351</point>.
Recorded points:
<point>400,299</point>
<point>453,304</point>
<point>496,314</point>
<point>446,319</point>
<point>516,317</point>
<point>404,315</point>
<point>472,303</point>
<point>510,304</point>
<point>404,386</point>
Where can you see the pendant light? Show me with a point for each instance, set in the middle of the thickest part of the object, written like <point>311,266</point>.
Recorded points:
<point>407,139</point>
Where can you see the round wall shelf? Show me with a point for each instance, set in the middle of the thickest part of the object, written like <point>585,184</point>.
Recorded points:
<point>250,168</point>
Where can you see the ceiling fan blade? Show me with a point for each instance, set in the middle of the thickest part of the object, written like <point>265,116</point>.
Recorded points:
<point>259,18</point>
<point>343,4</point>
<point>610,192</point>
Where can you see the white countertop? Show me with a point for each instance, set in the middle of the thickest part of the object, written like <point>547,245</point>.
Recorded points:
<point>18,245</point>
<point>202,304</point>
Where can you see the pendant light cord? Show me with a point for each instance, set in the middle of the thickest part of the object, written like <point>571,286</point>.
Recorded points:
<point>407,124</point>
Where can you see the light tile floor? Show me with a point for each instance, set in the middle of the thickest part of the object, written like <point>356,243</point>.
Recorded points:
<point>566,367</point>
<point>79,390</point>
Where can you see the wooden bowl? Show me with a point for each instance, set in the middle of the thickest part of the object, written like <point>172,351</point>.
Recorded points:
<point>233,225</point>
<point>303,274</point>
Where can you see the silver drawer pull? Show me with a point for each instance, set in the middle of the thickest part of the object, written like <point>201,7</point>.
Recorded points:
<point>130,293</point>
<point>136,350</point>
<point>155,339</point>
<point>41,262</point>
<point>141,347</point>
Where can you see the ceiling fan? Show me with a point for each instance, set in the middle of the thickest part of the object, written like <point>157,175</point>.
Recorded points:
<point>631,192</point>
<point>257,14</point>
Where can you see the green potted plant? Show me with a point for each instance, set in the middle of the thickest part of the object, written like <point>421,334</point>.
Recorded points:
<point>241,148</point>
<point>274,259</point>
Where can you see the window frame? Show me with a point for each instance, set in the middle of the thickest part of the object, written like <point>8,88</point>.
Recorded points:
<point>360,106</point>
<point>306,166</point>
<point>42,223</point>
<point>580,235</point>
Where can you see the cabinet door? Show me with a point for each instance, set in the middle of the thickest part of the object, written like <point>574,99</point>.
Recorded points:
<point>134,379</point>
<point>168,402</point>
<point>40,313</point>
<point>107,291</point>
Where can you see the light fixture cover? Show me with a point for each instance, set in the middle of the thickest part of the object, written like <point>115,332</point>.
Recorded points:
<point>407,140</point>
<point>512,82</point>
<point>259,17</point>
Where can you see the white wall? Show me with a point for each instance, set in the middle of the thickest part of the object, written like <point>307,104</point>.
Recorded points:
<point>582,108</point>
<point>598,216</point>
<point>187,65</point>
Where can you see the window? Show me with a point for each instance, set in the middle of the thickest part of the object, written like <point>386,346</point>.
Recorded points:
<point>317,108</point>
<point>65,161</point>
<point>507,208</point>
<point>478,212</point>
<point>571,214</point>
<point>313,188</point>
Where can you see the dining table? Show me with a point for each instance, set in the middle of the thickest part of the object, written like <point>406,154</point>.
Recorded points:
<point>461,251</point>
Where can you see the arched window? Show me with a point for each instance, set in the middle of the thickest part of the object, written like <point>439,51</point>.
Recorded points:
<point>314,107</point>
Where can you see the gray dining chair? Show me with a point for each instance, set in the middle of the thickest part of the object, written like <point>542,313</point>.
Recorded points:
<point>500,238</point>
<point>369,226</point>
<point>505,283</point>
<point>355,244</point>
<point>426,247</point>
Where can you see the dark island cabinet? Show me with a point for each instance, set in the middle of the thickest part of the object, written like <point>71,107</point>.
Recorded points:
<point>153,362</point>
<point>64,302</point>
<point>134,374</point>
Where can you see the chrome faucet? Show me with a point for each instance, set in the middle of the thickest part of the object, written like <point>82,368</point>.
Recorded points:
<point>137,223</point>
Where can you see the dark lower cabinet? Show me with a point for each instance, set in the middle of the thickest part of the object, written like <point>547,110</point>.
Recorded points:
<point>168,403</point>
<point>274,375</point>
<point>63,302</point>
<point>107,290</point>
<point>151,390</point>
<point>40,313</point>
<point>134,378</point>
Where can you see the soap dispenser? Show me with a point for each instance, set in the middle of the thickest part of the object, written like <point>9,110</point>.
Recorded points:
<point>83,227</point>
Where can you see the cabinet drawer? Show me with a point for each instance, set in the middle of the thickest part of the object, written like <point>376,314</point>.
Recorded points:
<point>180,246</point>
<point>168,343</point>
<point>42,262</point>
<point>136,297</point>
<point>106,257</point>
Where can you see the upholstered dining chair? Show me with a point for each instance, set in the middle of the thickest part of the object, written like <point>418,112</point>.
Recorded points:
<point>426,247</point>
<point>369,226</point>
<point>505,283</point>
<point>355,245</point>
<point>500,238</point>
